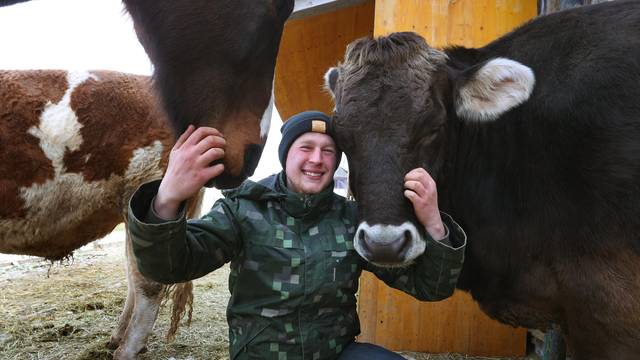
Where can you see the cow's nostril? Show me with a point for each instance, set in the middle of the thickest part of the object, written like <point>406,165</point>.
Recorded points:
<point>389,251</point>
<point>405,244</point>
<point>398,245</point>
<point>362,237</point>
<point>252,155</point>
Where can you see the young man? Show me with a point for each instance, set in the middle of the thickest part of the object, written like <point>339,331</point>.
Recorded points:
<point>294,270</point>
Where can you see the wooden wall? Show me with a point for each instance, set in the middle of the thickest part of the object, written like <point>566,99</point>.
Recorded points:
<point>470,23</point>
<point>309,47</point>
<point>396,321</point>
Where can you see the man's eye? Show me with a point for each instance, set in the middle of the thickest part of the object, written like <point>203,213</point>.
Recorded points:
<point>329,151</point>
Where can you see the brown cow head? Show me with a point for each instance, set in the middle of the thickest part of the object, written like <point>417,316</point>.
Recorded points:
<point>398,104</point>
<point>213,66</point>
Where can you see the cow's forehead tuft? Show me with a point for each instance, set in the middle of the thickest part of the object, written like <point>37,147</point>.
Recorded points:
<point>395,50</point>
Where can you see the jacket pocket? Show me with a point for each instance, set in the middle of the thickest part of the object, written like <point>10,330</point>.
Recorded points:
<point>245,333</point>
<point>341,262</point>
<point>278,248</point>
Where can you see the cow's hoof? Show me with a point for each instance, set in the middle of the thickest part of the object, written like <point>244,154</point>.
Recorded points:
<point>120,354</point>
<point>112,344</point>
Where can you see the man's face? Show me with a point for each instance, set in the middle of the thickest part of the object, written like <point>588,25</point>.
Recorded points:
<point>311,162</point>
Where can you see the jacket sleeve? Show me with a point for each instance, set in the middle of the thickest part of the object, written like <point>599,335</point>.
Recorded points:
<point>180,250</point>
<point>434,274</point>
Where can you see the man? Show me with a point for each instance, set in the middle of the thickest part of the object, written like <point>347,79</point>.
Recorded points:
<point>294,271</point>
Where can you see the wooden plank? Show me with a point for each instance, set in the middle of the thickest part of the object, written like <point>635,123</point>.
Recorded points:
<point>453,325</point>
<point>305,8</point>
<point>453,22</point>
<point>367,309</point>
<point>309,47</point>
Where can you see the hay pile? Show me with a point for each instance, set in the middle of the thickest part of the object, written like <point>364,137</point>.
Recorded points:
<point>70,313</point>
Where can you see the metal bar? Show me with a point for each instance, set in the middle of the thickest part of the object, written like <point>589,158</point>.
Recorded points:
<point>305,8</point>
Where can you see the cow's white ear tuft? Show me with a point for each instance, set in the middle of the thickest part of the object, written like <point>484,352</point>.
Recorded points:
<point>498,86</point>
<point>330,80</point>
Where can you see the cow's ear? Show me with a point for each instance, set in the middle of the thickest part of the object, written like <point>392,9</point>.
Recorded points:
<point>487,91</point>
<point>330,80</point>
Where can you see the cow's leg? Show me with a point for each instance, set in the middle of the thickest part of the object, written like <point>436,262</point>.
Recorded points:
<point>118,333</point>
<point>141,309</point>
<point>589,340</point>
<point>144,298</point>
<point>602,305</point>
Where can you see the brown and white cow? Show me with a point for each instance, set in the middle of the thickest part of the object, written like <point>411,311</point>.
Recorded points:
<point>534,143</point>
<point>74,148</point>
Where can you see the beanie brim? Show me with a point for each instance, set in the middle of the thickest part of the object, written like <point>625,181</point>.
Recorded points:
<point>304,122</point>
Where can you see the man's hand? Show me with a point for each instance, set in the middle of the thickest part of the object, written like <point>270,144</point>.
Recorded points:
<point>421,190</point>
<point>189,168</point>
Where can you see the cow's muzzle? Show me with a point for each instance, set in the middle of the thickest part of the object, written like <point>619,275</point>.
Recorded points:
<point>389,245</point>
<point>226,180</point>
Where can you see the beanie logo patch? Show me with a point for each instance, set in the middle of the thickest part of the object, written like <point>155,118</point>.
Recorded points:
<point>319,126</point>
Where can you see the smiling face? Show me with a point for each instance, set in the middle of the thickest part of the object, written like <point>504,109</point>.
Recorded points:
<point>311,162</point>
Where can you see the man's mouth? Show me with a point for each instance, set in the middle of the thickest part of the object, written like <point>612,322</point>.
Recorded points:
<point>312,173</point>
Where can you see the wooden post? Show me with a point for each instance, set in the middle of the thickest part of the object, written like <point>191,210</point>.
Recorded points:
<point>309,47</point>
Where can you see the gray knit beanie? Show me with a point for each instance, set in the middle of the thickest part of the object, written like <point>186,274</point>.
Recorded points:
<point>304,122</point>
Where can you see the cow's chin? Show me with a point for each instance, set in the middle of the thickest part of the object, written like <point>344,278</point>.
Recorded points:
<point>228,180</point>
<point>225,181</point>
<point>389,245</point>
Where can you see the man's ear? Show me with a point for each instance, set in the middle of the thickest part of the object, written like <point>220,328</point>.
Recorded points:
<point>487,91</point>
<point>330,81</point>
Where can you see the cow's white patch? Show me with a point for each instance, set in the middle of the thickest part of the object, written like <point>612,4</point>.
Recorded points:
<point>265,122</point>
<point>145,313</point>
<point>59,128</point>
<point>144,166</point>
<point>66,201</point>
<point>497,87</point>
<point>387,234</point>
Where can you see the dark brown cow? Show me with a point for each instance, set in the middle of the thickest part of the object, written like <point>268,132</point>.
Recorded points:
<point>214,64</point>
<point>534,142</point>
<point>75,146</point>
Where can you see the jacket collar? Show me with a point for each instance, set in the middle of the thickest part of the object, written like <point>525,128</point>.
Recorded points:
<point>275,188</point>
<point>304,205</point>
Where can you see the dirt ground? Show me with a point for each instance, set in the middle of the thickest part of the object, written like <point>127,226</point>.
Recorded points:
<point>67,311</point>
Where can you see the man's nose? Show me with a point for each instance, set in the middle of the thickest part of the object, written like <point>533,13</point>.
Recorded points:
<point>316,155</point>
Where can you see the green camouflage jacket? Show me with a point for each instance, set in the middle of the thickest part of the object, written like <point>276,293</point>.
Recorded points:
<point>294,270</point>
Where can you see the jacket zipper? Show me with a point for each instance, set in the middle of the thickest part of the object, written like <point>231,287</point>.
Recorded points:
<point>304,282</point>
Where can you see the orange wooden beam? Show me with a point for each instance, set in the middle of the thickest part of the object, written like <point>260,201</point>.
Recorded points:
<point>309,47</point>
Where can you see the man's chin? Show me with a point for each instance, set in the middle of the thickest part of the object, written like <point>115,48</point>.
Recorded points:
<point>313,188</point>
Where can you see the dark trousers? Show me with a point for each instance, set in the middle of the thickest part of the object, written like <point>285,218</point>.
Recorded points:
<point>366,351</point>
